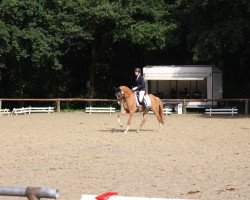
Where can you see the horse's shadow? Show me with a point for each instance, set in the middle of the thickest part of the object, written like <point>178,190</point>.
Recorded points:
<point>115,130</point>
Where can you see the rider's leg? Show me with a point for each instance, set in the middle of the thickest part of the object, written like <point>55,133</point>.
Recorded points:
<point>141,95</point>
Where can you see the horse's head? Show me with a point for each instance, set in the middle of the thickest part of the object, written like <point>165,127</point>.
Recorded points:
<point>122,92</point>
<point>119,94</point>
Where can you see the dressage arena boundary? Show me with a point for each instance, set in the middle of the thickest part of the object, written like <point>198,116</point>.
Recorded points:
<point>166,111</point>
<point>230,111</point>
<point>32,193</point>
<point>183,101</point>
<point>30,109</point>
<point>5,112</point>
<point>112,196</point>
<point>36,193</point>
<point>109,110</point>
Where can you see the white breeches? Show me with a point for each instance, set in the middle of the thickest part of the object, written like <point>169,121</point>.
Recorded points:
<point>141,95</point>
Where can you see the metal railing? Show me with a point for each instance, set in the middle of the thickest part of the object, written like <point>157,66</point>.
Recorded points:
<point>32,193</point>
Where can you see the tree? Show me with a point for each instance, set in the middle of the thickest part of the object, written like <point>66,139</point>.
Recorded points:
<point>108,23</point>
<point>220,35</point>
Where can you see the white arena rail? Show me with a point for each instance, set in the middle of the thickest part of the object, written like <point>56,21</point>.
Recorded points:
<point>5,112</point>
<point>166,111</point>
<point>111,197</point>
<point>17,111</point>
<point>40,109</point>
<point>221,111</point>
<point>100,110</point>
<point>29,110</point>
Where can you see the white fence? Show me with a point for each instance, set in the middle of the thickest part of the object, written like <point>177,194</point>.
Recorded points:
<point>105,197</point>
<point>221,111</point>
<point>166,111</point>
<point>5,112</point>
<point>29,110</point>
<point>100,110</point>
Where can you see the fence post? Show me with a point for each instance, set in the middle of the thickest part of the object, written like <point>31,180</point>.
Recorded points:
<point>58,107</point>
<point>184,107</point>
<point>246,107</point>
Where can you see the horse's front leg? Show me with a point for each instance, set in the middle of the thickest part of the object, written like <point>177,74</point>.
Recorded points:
<point>118,119</point>
<point>129,122</point>
<point>122,112</point>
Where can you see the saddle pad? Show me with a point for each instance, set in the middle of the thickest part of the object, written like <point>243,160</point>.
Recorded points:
<point>146,99</point>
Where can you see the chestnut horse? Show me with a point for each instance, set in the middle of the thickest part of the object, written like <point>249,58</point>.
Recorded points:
<point>127,98</point>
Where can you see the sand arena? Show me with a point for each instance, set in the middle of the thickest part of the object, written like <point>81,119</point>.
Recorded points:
<point>194,157</point>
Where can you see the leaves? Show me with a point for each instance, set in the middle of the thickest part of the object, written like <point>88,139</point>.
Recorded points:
<point>61,42</point>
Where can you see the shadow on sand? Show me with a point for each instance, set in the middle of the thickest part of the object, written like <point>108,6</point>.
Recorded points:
<point>114,130</point>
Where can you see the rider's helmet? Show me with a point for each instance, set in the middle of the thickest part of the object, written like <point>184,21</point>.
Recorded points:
<point>138,70</point>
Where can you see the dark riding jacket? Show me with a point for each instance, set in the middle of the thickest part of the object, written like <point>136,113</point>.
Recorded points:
<point>140,84</point>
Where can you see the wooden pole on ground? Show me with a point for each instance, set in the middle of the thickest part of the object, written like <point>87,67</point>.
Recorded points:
<point>32,193</point>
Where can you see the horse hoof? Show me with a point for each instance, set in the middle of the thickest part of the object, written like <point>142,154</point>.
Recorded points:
<point>125,132</point>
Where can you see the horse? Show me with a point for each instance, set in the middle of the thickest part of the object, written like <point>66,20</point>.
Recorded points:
<point>127,98</point>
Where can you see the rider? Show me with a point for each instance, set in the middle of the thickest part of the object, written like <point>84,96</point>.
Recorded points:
<point>140,86</point>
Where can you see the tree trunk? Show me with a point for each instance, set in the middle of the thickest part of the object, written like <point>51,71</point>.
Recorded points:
<point>91,91</point>
<point>20,81</point>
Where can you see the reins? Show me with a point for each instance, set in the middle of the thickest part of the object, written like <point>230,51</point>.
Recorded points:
<point>127,96</point>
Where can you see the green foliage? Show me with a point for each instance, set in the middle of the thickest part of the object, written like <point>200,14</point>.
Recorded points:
<point>50,48</point>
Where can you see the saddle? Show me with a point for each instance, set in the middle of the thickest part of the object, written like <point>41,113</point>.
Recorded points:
<point>145,101</point>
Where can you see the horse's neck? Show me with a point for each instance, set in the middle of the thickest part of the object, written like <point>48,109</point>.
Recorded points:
<point>130,102</point>
<point>127,91</point>
<point>131,98</point>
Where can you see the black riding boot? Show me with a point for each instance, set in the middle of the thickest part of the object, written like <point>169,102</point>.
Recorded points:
<point>142,103</point>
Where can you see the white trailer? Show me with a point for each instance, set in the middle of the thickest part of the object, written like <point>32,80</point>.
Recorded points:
<point>184,82</point>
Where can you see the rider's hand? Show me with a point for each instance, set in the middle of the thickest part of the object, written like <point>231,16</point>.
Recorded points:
<point>134,88</point>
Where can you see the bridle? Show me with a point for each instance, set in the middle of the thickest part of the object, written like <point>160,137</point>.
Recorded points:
<point>121,96</point>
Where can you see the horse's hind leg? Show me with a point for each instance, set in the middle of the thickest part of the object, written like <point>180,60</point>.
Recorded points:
<point>159,119</point>
<point>161,128</point>
<point>143,121</point>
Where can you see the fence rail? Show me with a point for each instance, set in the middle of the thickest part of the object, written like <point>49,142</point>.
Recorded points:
<point>184,101</point>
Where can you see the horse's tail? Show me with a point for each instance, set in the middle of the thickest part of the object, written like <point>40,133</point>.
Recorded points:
<point>161,113</point>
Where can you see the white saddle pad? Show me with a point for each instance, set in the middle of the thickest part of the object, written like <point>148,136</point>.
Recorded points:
<point>146,99</point>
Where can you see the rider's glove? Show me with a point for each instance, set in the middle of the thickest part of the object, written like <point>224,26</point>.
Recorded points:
<point>134,88</point>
